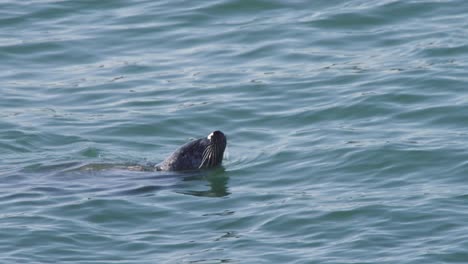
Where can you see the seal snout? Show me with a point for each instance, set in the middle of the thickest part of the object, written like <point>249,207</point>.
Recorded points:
<point>216,136</point>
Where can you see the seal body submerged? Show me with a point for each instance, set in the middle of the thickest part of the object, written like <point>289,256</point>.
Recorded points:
<point>200,153</point>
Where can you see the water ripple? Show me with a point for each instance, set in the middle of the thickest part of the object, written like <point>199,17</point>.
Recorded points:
<point>344,121</point>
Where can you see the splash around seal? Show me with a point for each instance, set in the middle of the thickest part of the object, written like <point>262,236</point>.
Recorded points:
<point>198,154</point>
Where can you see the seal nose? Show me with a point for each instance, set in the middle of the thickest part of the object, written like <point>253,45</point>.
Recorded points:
<point>216,135</point>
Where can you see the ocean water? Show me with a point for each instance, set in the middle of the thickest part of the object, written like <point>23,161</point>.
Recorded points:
<point>346,122</point>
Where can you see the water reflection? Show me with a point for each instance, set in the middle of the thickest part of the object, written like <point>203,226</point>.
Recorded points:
<point>217,185</point>
<point>106,179</point>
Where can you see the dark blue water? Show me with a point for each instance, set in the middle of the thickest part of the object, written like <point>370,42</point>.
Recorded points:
<point>346,126</point>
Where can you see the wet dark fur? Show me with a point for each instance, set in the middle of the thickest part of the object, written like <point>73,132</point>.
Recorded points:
<point>197,154</point>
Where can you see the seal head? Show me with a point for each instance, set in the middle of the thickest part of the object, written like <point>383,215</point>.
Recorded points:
<point>197,154</point>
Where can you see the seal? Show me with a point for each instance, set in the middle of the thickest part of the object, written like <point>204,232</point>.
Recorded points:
<point>201,153</point>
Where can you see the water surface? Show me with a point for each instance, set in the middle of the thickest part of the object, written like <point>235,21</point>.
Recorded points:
<point>345,122</point>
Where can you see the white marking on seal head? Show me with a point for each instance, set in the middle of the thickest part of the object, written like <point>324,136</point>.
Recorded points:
<point>209,136</point>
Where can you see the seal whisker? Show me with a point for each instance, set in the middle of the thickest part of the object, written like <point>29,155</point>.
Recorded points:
<point>208,156</point>
<point>211,157</point>
<point>210,161</point>
<point>205,155</point>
